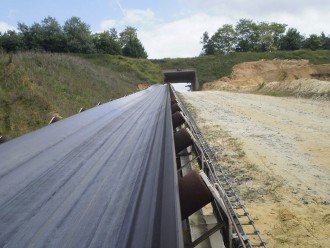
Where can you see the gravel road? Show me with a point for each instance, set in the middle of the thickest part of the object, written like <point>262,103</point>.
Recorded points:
<point>285,145</point>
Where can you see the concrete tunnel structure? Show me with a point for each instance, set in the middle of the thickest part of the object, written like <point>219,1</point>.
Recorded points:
<point>182,76</point>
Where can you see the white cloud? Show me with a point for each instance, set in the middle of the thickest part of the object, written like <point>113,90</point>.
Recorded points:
<point>107,24</point>
<point>132,17</point>
<point>5,27</point>
<point>306,15</point>
<point>181,37</point>
<point>309,21</point>
<point>178,38</point>
<point>138,16</point>
<point>253,7</point>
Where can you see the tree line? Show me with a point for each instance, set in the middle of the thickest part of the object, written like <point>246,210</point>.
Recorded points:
<point>249,36</point>
<point>74,36</point>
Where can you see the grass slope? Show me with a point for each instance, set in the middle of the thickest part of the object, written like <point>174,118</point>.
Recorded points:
<point>210,68</point>
<point>34,86</point>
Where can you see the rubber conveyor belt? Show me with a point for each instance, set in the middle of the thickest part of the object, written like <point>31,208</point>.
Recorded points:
<point>103,178</point>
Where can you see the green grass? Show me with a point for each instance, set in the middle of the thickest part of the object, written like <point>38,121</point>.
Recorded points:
<point>144,70</point>
<point>34,86</point>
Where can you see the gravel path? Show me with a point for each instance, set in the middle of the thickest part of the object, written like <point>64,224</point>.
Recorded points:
<point>286,139</point>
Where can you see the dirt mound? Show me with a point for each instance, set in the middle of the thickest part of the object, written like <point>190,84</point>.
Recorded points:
<point>273,70</point>
<point>143,86</point>
<point>276,75</point>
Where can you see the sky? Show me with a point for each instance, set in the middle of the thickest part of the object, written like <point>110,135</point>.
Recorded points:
<point>170,28</point>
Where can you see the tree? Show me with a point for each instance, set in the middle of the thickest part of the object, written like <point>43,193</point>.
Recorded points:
<point>313,42</point>
<point>78,36</point>
<point>114,34</point>
<point>277,30</point>
<point>325,41</point>
<point>326,45</point>
<point>224,39</point>
<point>292,40</point>
<point>131,45</point>
<point>269,35</point>
<point>32,37</point>
<point>246,35</point>
<point>134,49</point>
<point>53,39</point>
<point>208,45</point>
<point>11,41</point>
<point>106,44</point>
<point>75,37</point>
<point>128,34</point>
<point>25,35</point>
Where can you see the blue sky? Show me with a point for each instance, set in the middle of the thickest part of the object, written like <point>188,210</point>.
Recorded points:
<point>170,28</point>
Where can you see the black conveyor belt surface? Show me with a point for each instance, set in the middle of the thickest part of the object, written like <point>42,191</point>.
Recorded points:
<point>103,178</point>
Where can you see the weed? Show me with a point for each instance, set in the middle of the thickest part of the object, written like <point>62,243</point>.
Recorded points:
<point>272,185</point>
<point>282,240</point>
<point>241,152</point>
<point>252,167</point>
<point>261,85</point>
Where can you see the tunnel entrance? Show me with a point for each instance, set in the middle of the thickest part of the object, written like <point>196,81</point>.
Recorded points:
<point>182,76</point>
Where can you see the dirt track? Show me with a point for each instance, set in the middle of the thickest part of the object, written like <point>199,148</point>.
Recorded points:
<point>278,153</point>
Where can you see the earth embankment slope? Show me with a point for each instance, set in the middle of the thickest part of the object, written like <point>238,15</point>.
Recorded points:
<point>277,151</point>
<point>277,77</point>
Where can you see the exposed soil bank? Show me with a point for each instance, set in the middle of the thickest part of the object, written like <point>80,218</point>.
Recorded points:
<point>277,77</point>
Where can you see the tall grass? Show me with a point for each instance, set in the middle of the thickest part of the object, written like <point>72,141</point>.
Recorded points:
<point>144,70</point>
<point>35,86</point>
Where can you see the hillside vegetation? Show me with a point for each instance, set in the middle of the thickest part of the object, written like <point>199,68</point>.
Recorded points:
<point>213,67</point>
<point>36,86</point>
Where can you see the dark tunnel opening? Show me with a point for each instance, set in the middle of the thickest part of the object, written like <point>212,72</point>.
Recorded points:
<point>182,76</point>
